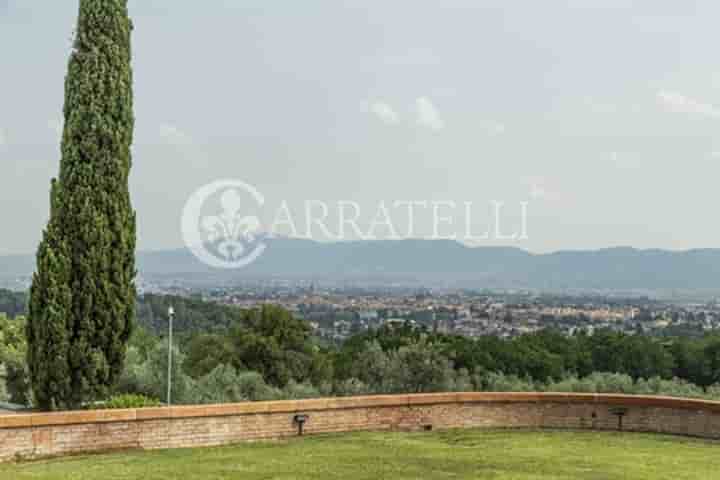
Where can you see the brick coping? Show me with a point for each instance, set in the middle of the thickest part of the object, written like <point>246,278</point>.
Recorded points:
<point>338,403</point>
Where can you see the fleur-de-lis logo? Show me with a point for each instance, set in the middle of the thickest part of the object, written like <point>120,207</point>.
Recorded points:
<point>226,239</point>
<point>230,230</point>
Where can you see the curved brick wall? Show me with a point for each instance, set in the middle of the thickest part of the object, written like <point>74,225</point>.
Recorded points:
<point>41,434</point>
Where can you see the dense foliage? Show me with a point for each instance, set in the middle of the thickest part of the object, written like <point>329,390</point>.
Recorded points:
<point>542,356</point>
<point>13,349</point>
<point>267,353</point>
<point>82,300</point>
<point>191,314</point>
<point>127,400</point>
<point>13,304</point>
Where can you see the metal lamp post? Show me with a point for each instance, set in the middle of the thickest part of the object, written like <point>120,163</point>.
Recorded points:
<point>171,315</point>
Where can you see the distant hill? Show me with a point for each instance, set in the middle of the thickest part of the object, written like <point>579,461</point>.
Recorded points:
<point>448,263</point>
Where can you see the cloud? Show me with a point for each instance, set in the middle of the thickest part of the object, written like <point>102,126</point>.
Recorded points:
<point>385,113</point>
<point>173,135</point>
<point>679,103</point>
<point>428,115</point>
<point>3,138</point>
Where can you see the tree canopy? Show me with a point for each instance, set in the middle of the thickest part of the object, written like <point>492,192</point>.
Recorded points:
<point>82,299</point>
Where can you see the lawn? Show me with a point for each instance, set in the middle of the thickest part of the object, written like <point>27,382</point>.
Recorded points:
<point>507,455</point>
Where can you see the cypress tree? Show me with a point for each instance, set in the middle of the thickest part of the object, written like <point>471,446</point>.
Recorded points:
<point>82,299</point>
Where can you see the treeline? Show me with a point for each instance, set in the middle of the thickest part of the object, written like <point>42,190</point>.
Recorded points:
<point>266,353</point>
<point>269,354</point>
<point>192,313</point>
<point>545,356</point>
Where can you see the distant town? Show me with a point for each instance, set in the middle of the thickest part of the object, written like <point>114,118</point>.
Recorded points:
<point>336,312</point>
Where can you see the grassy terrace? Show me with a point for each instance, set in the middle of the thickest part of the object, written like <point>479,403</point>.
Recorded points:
<point>515,455</point>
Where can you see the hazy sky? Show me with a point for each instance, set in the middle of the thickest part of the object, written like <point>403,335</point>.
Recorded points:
<point>602,114</point>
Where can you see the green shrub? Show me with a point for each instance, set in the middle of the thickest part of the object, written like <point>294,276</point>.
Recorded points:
<point>254,387</point>
<point>127,401</point>
<point>221,385</point>
<point>499,382</point>
<point>350,387</point>
<point>149,376</point>
<point>297,391</point>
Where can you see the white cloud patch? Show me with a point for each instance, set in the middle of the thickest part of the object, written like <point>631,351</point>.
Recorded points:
<point>428,115</point>
<point>173,135</point>
<point>676,102</point>
<point>385,113</point>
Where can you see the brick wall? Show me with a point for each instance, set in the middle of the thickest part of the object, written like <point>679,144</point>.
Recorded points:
<point>41,434</point>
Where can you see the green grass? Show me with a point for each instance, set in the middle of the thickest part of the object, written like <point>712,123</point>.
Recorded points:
<point>505,454</point>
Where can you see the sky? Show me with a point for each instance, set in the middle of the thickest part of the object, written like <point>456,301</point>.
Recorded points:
<point>602,115</point>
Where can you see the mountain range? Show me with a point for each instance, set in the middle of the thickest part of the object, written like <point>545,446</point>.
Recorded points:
<point>443,262</point>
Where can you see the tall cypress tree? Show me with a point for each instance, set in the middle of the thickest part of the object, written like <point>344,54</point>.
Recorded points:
<point>82,299</point>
